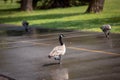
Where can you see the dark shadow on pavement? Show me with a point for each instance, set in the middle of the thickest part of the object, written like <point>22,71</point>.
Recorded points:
<point>50,64</point>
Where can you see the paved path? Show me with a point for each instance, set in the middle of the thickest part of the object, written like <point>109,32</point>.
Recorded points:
<point>89,56</point>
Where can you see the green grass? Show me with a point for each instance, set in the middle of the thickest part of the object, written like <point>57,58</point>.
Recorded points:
<point>65,18</point>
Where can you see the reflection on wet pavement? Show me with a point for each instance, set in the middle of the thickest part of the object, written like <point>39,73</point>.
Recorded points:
<point>59,74</point>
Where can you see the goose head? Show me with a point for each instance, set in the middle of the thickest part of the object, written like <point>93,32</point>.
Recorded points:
<point>60,39</point>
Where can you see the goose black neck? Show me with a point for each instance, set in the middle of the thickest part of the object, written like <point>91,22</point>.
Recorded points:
<point>60,40</point>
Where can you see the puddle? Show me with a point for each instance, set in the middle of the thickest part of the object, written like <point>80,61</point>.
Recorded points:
<point>59,74</point>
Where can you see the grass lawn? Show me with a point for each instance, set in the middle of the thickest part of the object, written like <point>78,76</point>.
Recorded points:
<point>65,18</point>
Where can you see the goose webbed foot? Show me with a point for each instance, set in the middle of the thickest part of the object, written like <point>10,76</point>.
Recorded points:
<point>60,62</point>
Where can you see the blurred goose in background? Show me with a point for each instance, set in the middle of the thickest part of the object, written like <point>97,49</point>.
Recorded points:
<point>58,51</point>
<point>106,29</point>
<point>25,24</point>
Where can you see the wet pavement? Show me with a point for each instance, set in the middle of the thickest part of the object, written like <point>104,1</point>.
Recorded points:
<point>89,55</point>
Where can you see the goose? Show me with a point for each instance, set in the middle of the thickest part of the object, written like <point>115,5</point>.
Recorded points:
<point>58,51</point>
<point>25,25</point>
<point>106,29</point>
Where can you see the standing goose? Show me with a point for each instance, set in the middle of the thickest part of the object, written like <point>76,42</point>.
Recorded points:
<point>58,51</point>
<point>106,29</point>
<point>25,25</point>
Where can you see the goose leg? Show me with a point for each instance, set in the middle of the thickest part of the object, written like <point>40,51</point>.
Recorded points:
<point>105,34</point>
<point>60,60</point>
<point>108,33</point>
